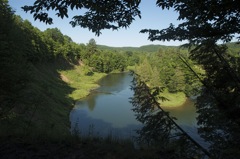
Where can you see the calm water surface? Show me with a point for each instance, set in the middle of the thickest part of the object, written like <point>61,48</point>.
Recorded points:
<point>186,118</point>
<point>107,110</point>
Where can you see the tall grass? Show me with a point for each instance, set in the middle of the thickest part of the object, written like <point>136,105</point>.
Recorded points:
<point>45,107</point>
<point>82,81</point>
<point>174,99</point>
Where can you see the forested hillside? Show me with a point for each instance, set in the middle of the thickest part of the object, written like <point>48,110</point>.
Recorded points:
<point>39,71</point>
<point>34,99</point>
<point>43,73</point>
<point>145,48</point>
<point>36,68</point>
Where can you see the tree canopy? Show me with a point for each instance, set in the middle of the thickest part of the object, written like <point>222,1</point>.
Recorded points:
<point>202,23</point>
<point>100,14</point>
<point>30,71</point>
<point>200,20</point>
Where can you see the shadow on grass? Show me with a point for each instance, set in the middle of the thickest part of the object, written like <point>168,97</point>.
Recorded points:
<point>42,112</point>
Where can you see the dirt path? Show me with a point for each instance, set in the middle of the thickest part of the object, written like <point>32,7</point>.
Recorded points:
<point>64,78</point>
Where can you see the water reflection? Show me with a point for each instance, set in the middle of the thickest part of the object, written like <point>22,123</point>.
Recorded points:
<point>185,114</point>
<point>86,125</point>
<point>107,109</point>
<point>115,83</point>
<point>113,108</point>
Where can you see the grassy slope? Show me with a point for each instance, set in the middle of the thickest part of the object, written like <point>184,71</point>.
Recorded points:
<point>45,108</point>
<point>48,101</point>
<point>81,83</point>
<point>43,132</point>
<point>174,99</point>
<point>60,95</point>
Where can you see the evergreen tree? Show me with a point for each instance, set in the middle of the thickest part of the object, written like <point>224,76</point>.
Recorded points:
<point>155,79</point>
<point>145,71</point>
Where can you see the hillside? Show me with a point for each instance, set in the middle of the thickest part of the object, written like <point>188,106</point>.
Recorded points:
<point>145,48</point>
<point>43,74</point>
<point>233,47</point>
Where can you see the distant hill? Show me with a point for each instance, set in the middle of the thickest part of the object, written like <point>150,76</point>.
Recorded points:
<point>145,48</point>
<point>154,48</point>
<point>234,45</point>
<point>234,49</point>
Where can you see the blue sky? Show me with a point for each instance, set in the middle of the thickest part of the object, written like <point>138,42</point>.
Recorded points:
<point>152,18</point>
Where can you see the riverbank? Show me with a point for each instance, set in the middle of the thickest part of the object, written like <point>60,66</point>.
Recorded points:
<point>48,100</point>
<point>81,81</point>
<point>43,131</point>
<point>174,99</point>
<point>43,111</point>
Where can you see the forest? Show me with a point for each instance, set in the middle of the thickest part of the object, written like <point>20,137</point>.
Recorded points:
<point>43,73</point>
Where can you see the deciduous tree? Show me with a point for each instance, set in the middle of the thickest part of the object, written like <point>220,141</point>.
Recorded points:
<point>99,15</point>
<point>202,24</point>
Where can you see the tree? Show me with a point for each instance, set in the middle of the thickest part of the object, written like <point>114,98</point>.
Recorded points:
<point>55,34</point>
<point>177,81</point>
<point>100,14</point>
<point>145,71</point>
<point>91,47</point>
<point>218,20</point>
<point>155,82</point>
<point>202,20</point>
<point>202,23</point>
<point>159,130</point>
<point>14,69</point>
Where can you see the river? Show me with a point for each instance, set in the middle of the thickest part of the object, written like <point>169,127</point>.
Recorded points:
<point>107,111</point>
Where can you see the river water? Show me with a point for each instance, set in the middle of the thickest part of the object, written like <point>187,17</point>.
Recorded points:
<point>107,111</point>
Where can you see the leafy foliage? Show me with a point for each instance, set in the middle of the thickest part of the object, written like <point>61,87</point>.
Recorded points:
<point>216,20</point>
<point>203,23</point>
<point>12,82</point>
<point>218,103</point>
<point>144,105</point>
<point>100,14</point>
<point>141,49</point>
<point>102,60</point>
<point>216,128</point>
<point>165,68</point>
<point>159,129</point>
<point>33,97</point>
<point>222,80</point>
